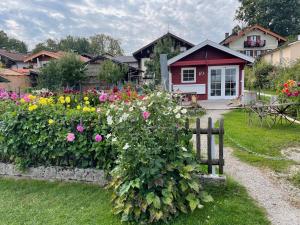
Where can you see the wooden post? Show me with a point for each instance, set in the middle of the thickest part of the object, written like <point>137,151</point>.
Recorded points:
<point>198,139</point>
<point>221,145</point>
<point>209,145</point>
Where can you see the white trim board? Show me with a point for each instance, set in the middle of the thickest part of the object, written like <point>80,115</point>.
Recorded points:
<point>189,88</point>
<point>214,45</point>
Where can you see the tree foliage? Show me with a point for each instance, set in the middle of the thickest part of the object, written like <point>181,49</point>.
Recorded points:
<point>12,44</point>
<point>96,45</point>
<point>111,72</point>
<point>282,17</point>
<point>67,71</point>
<point>164,46</point>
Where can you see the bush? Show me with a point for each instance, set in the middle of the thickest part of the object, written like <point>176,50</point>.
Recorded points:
<point>154,178</point>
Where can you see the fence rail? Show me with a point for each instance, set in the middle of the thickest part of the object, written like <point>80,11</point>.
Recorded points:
<point>209,131</point>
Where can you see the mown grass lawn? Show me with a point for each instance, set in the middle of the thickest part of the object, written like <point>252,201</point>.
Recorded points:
<point>43,203</point>
<point>260,139</point>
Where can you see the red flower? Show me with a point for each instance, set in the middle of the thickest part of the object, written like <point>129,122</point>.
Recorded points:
<point>286,85</point>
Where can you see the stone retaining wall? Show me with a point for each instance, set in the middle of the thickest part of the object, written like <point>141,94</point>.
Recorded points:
<point>55,173</point>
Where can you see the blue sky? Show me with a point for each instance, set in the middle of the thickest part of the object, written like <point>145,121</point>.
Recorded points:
<point>134,22</point>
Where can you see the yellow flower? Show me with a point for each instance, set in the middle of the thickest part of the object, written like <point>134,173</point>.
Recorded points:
<point>68,99</point>
<point>50,100</point>
<point>61,99</point>
<point>86,98</point>
<point>87,102</point>
<point>75,100</point>
<point>22,100</point>
<point>50,121</point>
<point>78,107</point>
<point>43,101</point>
<point>31,97</point>
<point>32,107</point>
<point>93,109</point>
<point>86,109</point>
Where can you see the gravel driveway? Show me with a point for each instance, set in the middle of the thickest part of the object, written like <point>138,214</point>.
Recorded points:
<point>260,185</point>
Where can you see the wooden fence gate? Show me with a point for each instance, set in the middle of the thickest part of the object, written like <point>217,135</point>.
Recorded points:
<point>209,131</point>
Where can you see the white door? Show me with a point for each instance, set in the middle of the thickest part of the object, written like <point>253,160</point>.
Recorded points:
<point>223,82</point>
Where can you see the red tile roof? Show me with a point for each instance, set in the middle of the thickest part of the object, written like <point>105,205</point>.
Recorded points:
<point>55,55</point>
<point>14,56</point>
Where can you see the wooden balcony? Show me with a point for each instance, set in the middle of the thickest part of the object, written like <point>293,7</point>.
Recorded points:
<point>254,44</point>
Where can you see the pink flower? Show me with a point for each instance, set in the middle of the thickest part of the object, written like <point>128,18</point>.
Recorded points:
<point>14,96</point>
<point>111,98</point>
<point>145,115</point>
<point>80,128</point>
<point>98,138</point>
<point>70,137</point>
<point>26,98</point>
<point>103,97</point>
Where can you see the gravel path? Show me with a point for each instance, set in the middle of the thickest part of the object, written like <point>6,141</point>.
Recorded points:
<point>263,188</point>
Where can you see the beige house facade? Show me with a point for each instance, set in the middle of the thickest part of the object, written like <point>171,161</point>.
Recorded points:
<point>285,55</point>
<point>253,41</point>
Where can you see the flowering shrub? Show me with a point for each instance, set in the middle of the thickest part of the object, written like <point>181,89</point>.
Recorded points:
<point>154,178</point>
<point>291,89</point>
<point>138,139</point>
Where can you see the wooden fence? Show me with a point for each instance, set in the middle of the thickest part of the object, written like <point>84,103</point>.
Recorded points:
<point>209,131</point>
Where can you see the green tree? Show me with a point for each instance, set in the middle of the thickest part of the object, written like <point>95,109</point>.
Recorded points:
<point>74,44</point>
<point>282,17</point>
<point>111,72</point>
<point>67,71</point>
<point>48,45</point>
<point>101,44</point>
<point>12,44</point>
<point>164,46</point>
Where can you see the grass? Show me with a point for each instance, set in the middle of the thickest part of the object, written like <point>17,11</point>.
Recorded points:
<point>45,203</point>
<point>295,179</point>
<point>262,140</point>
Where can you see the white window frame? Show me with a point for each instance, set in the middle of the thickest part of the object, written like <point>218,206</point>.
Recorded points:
<point>223,96</point>
<point>188,68</point>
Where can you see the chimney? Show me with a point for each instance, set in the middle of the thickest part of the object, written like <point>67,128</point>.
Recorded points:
<point>226,35</point>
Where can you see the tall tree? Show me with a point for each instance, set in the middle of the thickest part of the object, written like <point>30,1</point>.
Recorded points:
<point>67,71</point>
<point>48,45</point>
<point>282,17</point>
<point>101,44</point>
<point>163,46</point>
<point>12,44</point>
<point>74,44</point>
<point>112,73</point>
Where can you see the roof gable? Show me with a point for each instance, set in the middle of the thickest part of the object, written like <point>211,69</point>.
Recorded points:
<point>55,55</point>
<point>214,45</point>
<point>158,39</point>
<point>245,31</point>
<point>13,56</point>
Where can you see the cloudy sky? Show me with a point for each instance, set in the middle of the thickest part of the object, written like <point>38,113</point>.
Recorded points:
<point>134,22</point>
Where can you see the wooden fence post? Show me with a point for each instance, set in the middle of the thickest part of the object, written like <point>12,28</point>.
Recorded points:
<point>209,145</point>
<point>198,139</point>
<point>221,145</point>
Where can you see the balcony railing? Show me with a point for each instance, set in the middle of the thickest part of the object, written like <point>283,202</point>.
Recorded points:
<point>253,44</point>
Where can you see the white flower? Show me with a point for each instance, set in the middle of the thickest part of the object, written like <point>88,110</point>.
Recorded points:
<point>124,117</point>
<point>131,109</point>
<point>126,146</point>
<point>109,120</point>
<point>184,149</point>
<point>151,103</point>
<point>143,108</point>
<point>114,139</point>
<point>112,106</point>
<point>139,103</point>
<point>178,116</point>
<point>183,111</point>
<point>176,110</point>
<point>158,94</point>
<point>108,136</point>
<point>108,112</point>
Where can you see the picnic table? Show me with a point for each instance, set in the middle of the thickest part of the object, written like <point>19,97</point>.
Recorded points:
<point>271,113</point>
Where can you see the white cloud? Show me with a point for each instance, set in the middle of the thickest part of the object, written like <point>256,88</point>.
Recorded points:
<point>134,22</point>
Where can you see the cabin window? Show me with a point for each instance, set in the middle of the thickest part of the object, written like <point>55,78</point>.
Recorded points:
<point>188,75</point>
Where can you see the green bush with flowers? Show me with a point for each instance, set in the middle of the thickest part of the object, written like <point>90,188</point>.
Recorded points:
<point>138,140</point>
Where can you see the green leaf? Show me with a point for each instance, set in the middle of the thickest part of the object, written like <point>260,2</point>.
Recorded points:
<point>194,185</point>
<point>167,200</point>
<point>205,197</point>
<point>150,198</point>
<point>156,202</point>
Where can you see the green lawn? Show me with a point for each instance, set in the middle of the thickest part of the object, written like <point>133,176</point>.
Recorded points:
<point>262,140</point>
<point>38,202</point>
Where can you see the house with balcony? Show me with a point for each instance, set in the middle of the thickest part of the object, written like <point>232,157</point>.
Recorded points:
<point>253,41</point>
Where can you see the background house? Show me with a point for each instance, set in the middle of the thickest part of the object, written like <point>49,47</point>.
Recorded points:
<point>14,80</point>
<point>210,70</point>
<point>253,41</point>
<point>13,60</point>
<point>145,53</point>
<point>284,55</point>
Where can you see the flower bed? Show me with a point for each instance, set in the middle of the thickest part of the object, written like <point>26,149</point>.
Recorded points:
<point>137,139</point>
